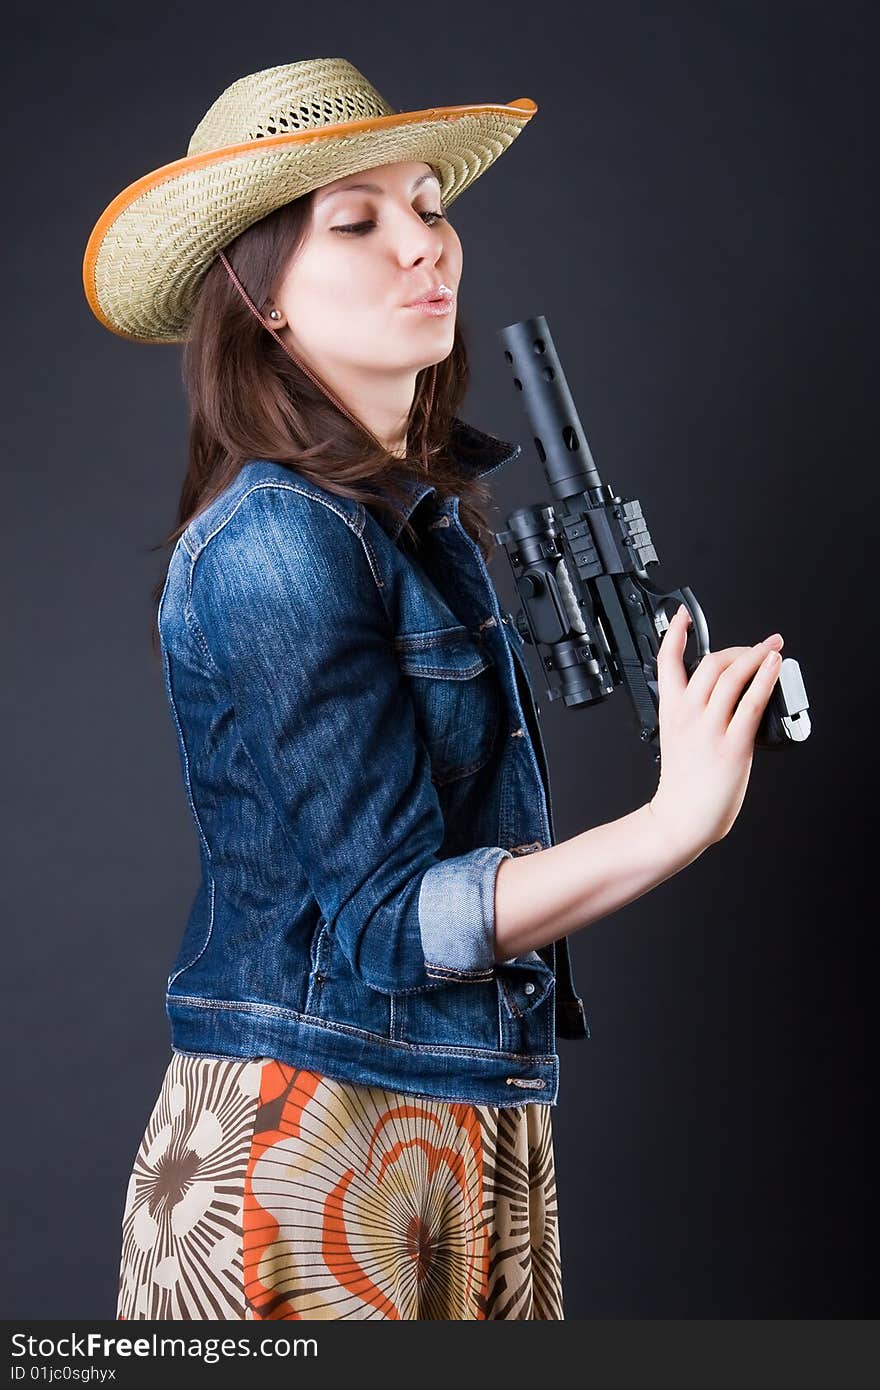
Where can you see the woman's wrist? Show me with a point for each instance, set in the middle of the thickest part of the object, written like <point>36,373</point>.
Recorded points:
<point>680,848</point>
<point>553,892</point>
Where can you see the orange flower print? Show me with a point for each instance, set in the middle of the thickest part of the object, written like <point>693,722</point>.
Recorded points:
<point>382,1213</point>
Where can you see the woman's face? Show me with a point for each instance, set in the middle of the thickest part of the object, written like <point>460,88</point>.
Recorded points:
<point>344,295</point>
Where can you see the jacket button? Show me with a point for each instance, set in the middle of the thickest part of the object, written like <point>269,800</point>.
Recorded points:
<point>529,988</point>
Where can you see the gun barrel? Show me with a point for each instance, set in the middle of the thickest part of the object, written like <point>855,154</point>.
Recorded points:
<point>559,436</point>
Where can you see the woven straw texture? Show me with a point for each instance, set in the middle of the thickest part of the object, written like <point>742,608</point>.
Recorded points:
<point>268,138</point>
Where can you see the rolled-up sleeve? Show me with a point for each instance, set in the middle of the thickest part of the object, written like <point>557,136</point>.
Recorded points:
<point>287,605</point>
<point>457,913</point>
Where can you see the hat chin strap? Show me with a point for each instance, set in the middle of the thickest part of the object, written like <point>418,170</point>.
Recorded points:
<point>322,386</point>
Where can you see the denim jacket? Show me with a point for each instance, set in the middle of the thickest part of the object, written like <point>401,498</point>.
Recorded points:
<point>360,750</point>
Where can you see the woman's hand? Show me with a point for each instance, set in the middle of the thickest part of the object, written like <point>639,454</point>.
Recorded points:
<point>707,741</point>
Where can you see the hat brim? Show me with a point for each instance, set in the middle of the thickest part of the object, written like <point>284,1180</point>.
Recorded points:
<point>152,245</point>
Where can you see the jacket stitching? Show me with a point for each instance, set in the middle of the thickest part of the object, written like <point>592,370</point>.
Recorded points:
<point>550,1030</point>
<point>278,486</point>
<point>449,972</point>
<point>515,659</point>
<point>370,552</point>
<point>195,814</point>
<point>396,1017</point>
<point>459,673</point>
<point>434,637</point>
<point>407,1090</point>
<point>515,1010</point>
<point>194,627</point>
<point>276,1011</point>
<point>355,524</point>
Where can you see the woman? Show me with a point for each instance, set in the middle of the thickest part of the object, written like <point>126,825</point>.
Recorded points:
<point>355,1120</point>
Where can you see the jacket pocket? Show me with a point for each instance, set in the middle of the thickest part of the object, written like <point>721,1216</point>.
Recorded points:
<point>319,961</point>
<point>456,695</point>
<point>453,1015</point>
<point>336,995</point>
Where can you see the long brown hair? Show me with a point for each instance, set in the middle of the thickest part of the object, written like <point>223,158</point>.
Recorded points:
<point>249,399</point>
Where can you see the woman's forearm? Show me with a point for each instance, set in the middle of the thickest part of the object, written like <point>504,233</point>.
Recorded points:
<point>555,891</point>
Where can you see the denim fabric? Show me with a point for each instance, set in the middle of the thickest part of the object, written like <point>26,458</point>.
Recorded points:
<point>360,751</point>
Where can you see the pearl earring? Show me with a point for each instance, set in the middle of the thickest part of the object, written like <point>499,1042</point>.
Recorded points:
<point>274,314</point>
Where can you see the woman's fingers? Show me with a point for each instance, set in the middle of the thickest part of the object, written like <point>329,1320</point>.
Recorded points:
<point>729,686</point>
<point>671,674</point>
<point>747,716</point>
<point>717,682</point>
<point>709,670</point>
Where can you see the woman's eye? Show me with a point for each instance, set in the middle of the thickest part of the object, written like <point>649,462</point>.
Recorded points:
<point>358,228</point>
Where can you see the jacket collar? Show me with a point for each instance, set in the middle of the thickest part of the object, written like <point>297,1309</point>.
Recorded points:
<point>477,452</point>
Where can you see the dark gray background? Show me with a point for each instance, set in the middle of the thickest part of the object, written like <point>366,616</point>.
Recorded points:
<point>689,209</point>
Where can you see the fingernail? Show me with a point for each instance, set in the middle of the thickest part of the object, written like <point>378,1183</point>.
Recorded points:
<point>771,659</point>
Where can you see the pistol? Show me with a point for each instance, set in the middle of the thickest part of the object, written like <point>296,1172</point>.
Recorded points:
<point>580,565</point>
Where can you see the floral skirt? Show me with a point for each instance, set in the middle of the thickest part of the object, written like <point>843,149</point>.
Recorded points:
<point>261,1190</point>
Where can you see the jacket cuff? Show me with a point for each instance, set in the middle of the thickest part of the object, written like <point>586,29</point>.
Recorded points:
<point>457,915</point>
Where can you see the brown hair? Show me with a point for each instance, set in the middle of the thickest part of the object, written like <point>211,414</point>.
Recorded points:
<point>249,399</point>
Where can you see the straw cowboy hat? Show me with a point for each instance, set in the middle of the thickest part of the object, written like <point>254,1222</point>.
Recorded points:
<point>268,138</point>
